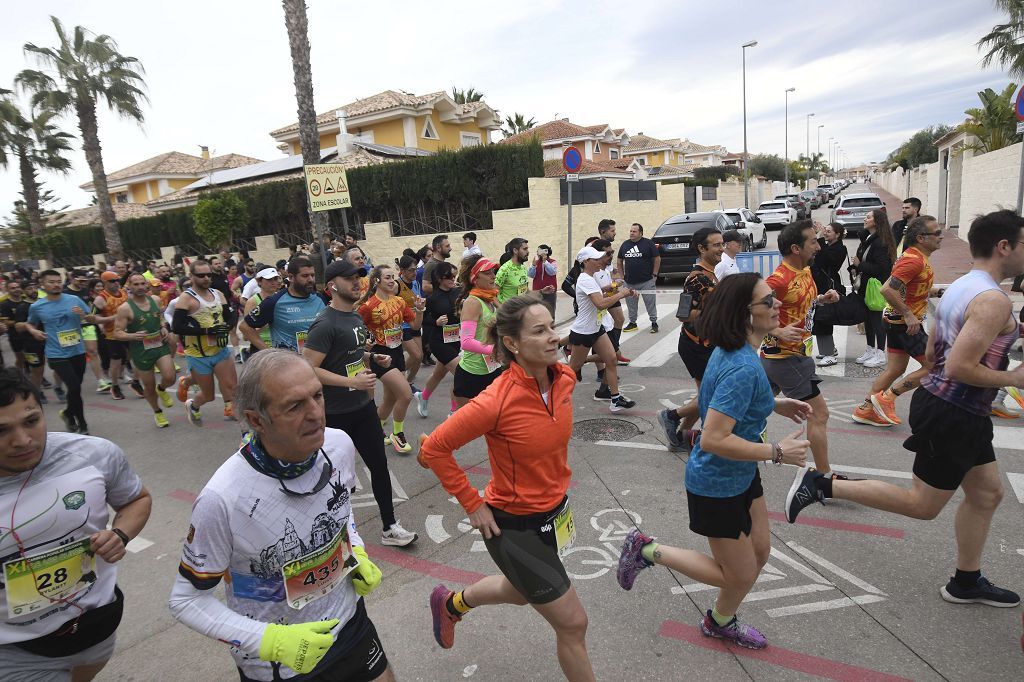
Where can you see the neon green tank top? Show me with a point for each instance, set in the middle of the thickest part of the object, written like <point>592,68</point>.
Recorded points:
<point>475,363</point>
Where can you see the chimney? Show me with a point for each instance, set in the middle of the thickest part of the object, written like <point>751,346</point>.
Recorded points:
<point>344,139</point>
<point>565,120</point>
<point>206,151</point>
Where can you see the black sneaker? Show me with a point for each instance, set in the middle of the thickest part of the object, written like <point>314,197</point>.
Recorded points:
<point>62,395</point>
<point>621,403</point>
<point>631,327</point>
<point>803,493</point>
<point>669,421</point>
<point>115,392</point>
<point>654,327</point>
<point>602,393</point>
<point>83,428</point>
<point>136,386</point>
<point>983,592</point>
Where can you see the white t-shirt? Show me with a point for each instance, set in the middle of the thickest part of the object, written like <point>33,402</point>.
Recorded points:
<point>250,288</point>
<point>604,280</point>
<point>169,311</point>
<point>586,319</point>
<point>726,267</point>
<point>471,251</point>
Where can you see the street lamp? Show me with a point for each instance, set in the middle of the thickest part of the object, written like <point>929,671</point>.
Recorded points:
<point>788,90</point>
<point>829,152</point>
<point>746,171</point>
<point>819,146</point>
<point>807,180</point>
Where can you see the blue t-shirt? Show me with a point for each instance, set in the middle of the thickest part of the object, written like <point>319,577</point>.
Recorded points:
<point>289,318</point>
<point>734,384</point>
<point>62,325</point>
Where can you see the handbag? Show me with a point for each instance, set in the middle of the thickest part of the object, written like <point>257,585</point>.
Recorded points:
<point>846,312</point>
<point>873,295</point>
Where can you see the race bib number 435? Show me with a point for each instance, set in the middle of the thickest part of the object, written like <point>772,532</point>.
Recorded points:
<point>317,573</point>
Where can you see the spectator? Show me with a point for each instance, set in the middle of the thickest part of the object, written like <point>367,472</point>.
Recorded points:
<point>469,241</point>
<point>639,262</point>
<point>441,249</point>
<point>911,209</point>
<point>733,246</point>
<point>543,273</point>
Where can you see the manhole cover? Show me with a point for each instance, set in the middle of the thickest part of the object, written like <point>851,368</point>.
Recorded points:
<point>604,429</point>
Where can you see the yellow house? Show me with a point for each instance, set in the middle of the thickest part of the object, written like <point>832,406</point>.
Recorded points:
<point>681,154</point>
<point>399,119</point>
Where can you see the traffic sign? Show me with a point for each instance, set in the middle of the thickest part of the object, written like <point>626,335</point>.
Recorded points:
<point>572,160</point>
<point>327,187</point>
<point>1018,104</point>
<point>572,177</point>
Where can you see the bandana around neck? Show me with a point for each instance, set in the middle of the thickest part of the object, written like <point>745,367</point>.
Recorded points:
<point>489,295</point>
<point>265,464</point>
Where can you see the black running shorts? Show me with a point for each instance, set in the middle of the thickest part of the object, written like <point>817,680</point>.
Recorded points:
<point>468,385</point>
<point>900,341</point>
<point>530,564</point>
<point>588,340</point>
<point>948,440</point>
<point>695,355</point>
<point>397,356</point>
<point>724,517</point>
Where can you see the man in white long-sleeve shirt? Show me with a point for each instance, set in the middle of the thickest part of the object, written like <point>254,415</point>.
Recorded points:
<point>276,520</point>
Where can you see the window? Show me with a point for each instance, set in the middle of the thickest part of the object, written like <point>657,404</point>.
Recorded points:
<point>121,198</point>
<point>637,190</point>
<point>470,139</point>
<point>428,130</point>
<point>597,147</point>
<point>642,160</point>
<point>709,193</point>
<point>613,153</point>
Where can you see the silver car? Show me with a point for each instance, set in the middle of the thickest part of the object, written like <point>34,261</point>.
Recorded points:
<point>849,211</point>
<point>776,213</point>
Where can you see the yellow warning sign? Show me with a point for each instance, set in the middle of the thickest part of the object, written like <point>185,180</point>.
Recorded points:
<point>327,187</point>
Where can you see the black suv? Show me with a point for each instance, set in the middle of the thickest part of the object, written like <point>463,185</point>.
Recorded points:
<point>673,241</point>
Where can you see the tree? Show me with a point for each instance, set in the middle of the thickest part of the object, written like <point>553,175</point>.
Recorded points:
<point>88,69</point>
<point>1005,42</point>
<point>919,150</point>
<point>770,166</point>
<point>37,144</point>
<point>219,217</point>
<point>516,124</point>
<point>994,123</point>
<point>466,96</point>
<point>302,73</point>
<point>809,167</point>
<point>715,173</point>
<point>20,232</point>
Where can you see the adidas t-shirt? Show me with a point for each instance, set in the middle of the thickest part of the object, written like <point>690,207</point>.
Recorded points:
<point>638,260</point>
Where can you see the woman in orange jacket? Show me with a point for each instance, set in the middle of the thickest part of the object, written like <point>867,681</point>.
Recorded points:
<point>524,516</point>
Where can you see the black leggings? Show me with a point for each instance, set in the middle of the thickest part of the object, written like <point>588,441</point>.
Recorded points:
<point>874,329</point>
<point>364,428</point>
<point>71,370</point>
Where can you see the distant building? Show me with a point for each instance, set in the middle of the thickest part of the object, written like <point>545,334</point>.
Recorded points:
<point>597,143</point>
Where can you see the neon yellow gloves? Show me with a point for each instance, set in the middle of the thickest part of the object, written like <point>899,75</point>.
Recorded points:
<point>300,646</point>
<point>365,576</point>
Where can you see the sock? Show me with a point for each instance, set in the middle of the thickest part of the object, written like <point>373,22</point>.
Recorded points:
<point>455,405</point>
<point>603,387</point>
<point>615,396</point>
<point>456,604</point>
<point>600,375</point>
<point>227,405</point>
<point>824,484</point>
<point>966,579</point>
<point>647,551</point>
<point>383,424</point>
<point>719,619</point>
<point>425,394</point>
<point>399,426</point>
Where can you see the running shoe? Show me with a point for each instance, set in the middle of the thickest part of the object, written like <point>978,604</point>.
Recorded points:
<point>669,421</point>
<point>621,403</point>
<point>62,395</point>
<point>103,385</point>
<point>828,361</point>
<point>631,327</point>
<point>1001,410</point>
<point>183,389</point>
<point>396,536</point>
<point>412,387</point>
<point>46,383</point>
<point>983,592</point>
<point>421,404</point>
<point>136,386</point>
<point>803,493</point>
<point>602,393</point>
<point>229,412</point>
<point>387,439</point>
<point>867,415</point>
<point>1016,395</point>
<point>161,420</point>
<point>623,360</point>
<point>69,423</point>
<point>745,635</point>
<point>116,393</point>
<point>83,428</point>
<point>194,417</point>
<point>877,359</point>
<point>885,407</point>
<point>631,560</point>
<point>444,621</point>
<point>164,396</point>
<point>654,327</point>
<point>400,444</point>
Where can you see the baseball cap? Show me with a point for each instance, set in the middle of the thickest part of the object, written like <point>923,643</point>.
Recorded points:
<point>281,264</point>
<point>589,253</point>
<point>109,276</point>
<point>480,266</point>
<point>267,273</point>
<point>342,268</point>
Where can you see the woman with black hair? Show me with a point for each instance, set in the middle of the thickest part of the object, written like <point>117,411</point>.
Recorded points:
<point>410,290</point>
<point>825,270</point>
<point>441,329</point>
<point>875,257</point>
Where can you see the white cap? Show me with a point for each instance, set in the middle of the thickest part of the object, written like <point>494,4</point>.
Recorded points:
<point>267,273</point>
<point>589,253</point>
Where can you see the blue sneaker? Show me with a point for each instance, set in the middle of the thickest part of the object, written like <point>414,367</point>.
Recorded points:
<point>983,592</point>
<point>631,560</point>
<point>734,631</point>
<point>669,421</point>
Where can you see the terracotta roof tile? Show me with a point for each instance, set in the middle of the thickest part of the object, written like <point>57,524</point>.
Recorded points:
<point>640,142</point>
<point>553,167</point>
<point>552,130</point>
<point>90,215</point>
<point>177,163</point>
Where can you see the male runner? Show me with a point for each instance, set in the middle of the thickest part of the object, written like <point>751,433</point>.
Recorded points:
<point>106,305</point>
<point>202,318</point>
<point>8,307</point>
<point>289,312</point>
<point>140,324</point>
<point>787,353</point>
<point>512,278</point>
<point>33,349</point>
<point>606,230</point>
<point>440,250</point>
<point>268,283</point>
<point>907,293</point>
<point>276,521</point>
<point>949,419</point>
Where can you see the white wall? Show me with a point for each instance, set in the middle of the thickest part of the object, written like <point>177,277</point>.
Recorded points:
<point>989,183</point>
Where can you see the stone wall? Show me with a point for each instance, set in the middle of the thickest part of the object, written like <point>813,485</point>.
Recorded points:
<point>989,183</point>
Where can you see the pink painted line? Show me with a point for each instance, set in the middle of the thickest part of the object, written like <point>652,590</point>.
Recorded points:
<point>107,407</point>
<point>183,495</point>
<point>431,568</point>
<point>784,658</point>
<point>882,531</point>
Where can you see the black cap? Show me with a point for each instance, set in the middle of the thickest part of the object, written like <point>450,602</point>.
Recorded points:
<point>343,268</point>
<point>281,264</point>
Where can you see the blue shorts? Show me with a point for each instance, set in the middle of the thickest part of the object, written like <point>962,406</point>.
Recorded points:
<point>205,365</point>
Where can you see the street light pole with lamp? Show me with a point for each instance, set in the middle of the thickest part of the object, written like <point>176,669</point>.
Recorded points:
<point>746,171</point>
<point>807,180</point>
<point>788,90</point>
<point>829,153</point>
<point>820,126</point>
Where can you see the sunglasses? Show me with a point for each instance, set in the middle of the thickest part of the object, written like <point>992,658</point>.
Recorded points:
<point>768,301</point>
<point>325,477</point>
<point>448,276</point>
<point>203,275</point>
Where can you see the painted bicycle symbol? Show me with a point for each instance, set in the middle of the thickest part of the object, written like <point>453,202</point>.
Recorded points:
<point>589,562</point>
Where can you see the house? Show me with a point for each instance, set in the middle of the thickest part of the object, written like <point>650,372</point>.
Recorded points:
<point>623,169</point>
<point>163,174</point>
<point>736,160</point>
<point>651,151</point>
<point>400,119</point>
<point>90,215</point>
<point>704,155</point>
<point>598,143</point>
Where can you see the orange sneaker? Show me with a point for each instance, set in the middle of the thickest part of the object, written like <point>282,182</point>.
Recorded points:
<point>229,412</point>
<point>183,384</point>
<point>867,415</point>
<point>885,407</point>
<point>444,621</point>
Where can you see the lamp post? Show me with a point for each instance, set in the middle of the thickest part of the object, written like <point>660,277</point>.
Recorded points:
<point>788,90</point>
<point>820,126</point>
<point>829,153</point>
<point>807,180</point>
<point>746,171</point>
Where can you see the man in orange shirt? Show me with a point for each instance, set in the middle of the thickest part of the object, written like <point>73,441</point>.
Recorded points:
<point>907,293</point>
<point>786,353</point>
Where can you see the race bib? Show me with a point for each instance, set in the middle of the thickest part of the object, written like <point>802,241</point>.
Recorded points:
<point>69,337</point>
<point>523,288</point>
<point>37,581</point>
<point>152,341</point>
<point>31,358</point>
<point>354,368</point>
<point>450,333</point>
<point>300,340</point>
<point>601,314</point>
<point>393,337</point>
<point>317,573</point>
<point>565,531</point>
<point>809,346</point>
<point>492,364</point>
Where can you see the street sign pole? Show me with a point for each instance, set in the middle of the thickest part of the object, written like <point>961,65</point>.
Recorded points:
<point>1018,109</point>
<point>569,258</point>
<point>572,161</point>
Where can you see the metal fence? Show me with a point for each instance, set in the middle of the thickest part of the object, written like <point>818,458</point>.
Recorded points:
<point>445,223</point>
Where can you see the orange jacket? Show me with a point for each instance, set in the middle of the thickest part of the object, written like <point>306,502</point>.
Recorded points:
<point>527,443</point>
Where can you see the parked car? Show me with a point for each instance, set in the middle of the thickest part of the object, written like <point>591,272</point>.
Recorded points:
<point>830,189</point>
<point>849,211</point>
<point>672,239</point>
<point>823,195</point>
<point>777,213</point>
<point>744,220</point>
<point>801,207</point>
<point>811,198</point>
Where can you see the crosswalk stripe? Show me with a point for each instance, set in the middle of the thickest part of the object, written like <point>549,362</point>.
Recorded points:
<point>1017,483</point>
<point>1008,437</point>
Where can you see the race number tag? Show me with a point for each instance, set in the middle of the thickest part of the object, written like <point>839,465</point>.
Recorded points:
<point>523,288</point>
<point>31,358</point>
<point>37,581</point>
<point>317,573</point>
<point>300,340</point>
<point>565,530</point>
<point>809,346</point>
<point>492,364</point>
<point>354,368</point>
<point>393,337</point>
<point>69,337</point>
<point>450,333</point>
<point>152,341</point>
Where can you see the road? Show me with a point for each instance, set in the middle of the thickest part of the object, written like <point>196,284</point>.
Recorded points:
<point>849,593</point>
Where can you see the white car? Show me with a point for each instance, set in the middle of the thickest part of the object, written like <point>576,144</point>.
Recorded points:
<point>776,213</point>
<point>755,234</point>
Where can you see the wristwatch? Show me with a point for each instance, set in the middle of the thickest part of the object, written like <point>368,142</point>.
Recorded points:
<point>777,459</point>
<point>121,534</point>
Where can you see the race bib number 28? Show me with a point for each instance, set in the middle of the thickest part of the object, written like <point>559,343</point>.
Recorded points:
<point>40,580</point>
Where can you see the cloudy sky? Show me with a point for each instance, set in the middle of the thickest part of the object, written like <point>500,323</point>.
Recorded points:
<point>219,72</point>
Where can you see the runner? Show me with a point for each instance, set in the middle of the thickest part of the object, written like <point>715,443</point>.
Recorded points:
<point>276,521</point>
<point>336,349</point>
<point>442,330</point>
<point>62,317</point>
<point>106,305</point>
<point>78,285</point>
<point>60,564</point>
<point>907,293</point>
<point>202,319</point>
<point>609,287</point>
<point>606,230</point>
<point>787,352</point>
<point>723,485</point>
<point>140,324</point>
<point>410,290</point>
<point>33,350</point>
<point>512,278</point>
<point>269,283</point>
<point>289,312</point>
<point>478,368</point>
<point>524,516</point>
<point>93,338</point>
<point>383,311</point>
<point>949,420</point>
<point>8,312</point>
<point>694,351</point>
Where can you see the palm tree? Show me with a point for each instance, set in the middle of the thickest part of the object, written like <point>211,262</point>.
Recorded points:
<point>994,122</point>
<point>517,124</point>
<point>466,96</point>
<point>37,144</point>
<point>1005,42</point>
<point>88,69</point>
<point>296,22</point>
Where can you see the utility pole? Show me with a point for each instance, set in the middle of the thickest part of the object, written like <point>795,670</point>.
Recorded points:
<point>746,171</point>
<point>788,90</point>
<point>807,180</point>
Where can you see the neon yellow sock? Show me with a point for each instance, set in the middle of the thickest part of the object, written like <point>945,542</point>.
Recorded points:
<point>383,423</point>
<point>457,604</point>
<point>647,551</point>
<point>398,426</point>
<point>719,618</point>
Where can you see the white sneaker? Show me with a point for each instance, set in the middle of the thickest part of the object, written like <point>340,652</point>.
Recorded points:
<point>396,536</point>
<point>877,359</point>
<point>865,356</point>
<point>421,404</point>
<point>828,361</point>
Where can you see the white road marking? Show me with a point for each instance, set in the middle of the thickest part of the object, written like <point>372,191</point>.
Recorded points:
<point>630,444</point>
<point>689,392</point>
<point>841,403</point>
<point>1017,483</point>
<point>1008,437</point>
<point>137,544</point>
<point>434,525</point>
<point>832,568</point>
<point>841,416</point>
<point>867,471</point>
<point>780,592</point>
<point>691,588</point>
<point>823,605</point>
<point>797,566</point>
<point>660,353</point>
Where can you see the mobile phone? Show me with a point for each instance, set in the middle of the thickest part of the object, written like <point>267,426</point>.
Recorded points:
<point>685,305</point>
